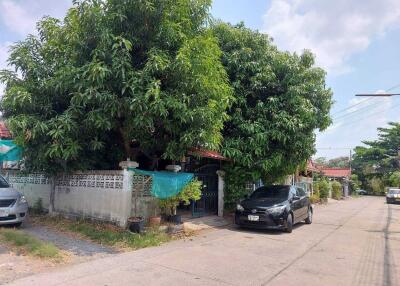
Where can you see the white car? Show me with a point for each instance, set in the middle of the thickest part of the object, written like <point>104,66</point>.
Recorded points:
<point>13,205</point>
<point>393,195</point>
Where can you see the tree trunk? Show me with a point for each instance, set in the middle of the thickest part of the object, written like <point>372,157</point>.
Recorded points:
<point>127,144</point>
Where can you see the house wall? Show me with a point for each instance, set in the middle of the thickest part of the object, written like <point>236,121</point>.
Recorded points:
<point>102,195</point>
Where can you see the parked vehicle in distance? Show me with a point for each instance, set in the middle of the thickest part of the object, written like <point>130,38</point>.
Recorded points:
<point>361,192</point>
<point>274,207</point>
<point>393,195</point>
<point>13,205</point>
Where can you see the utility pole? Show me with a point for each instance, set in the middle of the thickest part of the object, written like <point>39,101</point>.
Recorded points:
<point>350,161</point>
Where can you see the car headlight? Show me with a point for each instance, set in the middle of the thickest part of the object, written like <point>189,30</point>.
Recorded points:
<point>276,209</point>
<point>22,200</point>
<point>239,207</point>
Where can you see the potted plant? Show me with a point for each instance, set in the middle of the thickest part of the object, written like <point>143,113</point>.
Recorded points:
<point>191,192</point>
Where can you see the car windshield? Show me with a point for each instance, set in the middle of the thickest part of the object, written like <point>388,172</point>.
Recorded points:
<point>3,183</point>
<point>281,192</point>
<point>393,192</point>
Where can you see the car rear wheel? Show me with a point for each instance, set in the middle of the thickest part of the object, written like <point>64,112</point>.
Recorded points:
<point>309,217</point>
<point>289,223</point>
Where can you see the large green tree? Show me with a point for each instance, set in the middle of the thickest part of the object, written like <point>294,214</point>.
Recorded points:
<point>280,100</point>
<point>379,158</point>
<point>112,74</point>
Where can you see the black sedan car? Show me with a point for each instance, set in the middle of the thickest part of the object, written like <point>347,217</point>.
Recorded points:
<point>274,207</point>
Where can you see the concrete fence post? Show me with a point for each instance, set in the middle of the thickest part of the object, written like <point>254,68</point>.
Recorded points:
<point>221,188</point>
<point>127,185</point>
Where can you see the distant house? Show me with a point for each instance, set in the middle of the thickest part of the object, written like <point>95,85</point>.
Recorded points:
<point>4,132</point>
<point>304,178</point>
<point>341,175</point>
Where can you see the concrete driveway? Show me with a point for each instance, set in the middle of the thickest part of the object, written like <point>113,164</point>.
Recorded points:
<point>352,242</point>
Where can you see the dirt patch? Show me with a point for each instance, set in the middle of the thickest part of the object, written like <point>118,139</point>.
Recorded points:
<point>80,249</point>
<point>14,266</point>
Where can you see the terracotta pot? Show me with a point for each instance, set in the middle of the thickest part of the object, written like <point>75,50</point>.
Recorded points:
<point>154,220</point>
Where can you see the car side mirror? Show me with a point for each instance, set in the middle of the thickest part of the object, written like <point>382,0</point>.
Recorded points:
<point>296,198</point>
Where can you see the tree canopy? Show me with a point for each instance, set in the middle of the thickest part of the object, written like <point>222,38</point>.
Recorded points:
<point>379,159</point>
<point>280,100</point>
<point>114,74</point>
<point>338,162</point>
<point>161,76</point>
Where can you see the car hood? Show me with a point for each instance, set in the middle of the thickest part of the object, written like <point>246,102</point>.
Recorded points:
<point>9,193</point>
<point>262,203</point>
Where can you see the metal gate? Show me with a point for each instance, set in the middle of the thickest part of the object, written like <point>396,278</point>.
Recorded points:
<point>208,204</point>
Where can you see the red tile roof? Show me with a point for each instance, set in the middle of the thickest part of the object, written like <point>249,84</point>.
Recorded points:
<point>207,154</point>
<point>336,172</point>
<point>4,132</point>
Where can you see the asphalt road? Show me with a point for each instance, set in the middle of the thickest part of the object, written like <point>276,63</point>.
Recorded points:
<point>352,242</point>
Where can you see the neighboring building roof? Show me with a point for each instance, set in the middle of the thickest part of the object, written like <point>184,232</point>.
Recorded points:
<point>207,154</point>
<point>312,167</point>
<point>4,132</point>
<point>336,172</point>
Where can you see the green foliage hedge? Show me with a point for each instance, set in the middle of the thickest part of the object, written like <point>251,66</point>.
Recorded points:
<point>324,188</point>
<point>336,190</point>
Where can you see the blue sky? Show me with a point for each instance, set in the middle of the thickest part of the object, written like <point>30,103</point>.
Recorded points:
<point>357,42</point>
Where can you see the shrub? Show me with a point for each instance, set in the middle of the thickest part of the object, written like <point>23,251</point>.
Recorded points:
<point>323,189</point>
<point>355,183</point>
<point>315,198</point>
<point>376,185</point>
<point>316,187</point>
<point>191,192</point>
<point>394,179</point>
<point>336,190</point>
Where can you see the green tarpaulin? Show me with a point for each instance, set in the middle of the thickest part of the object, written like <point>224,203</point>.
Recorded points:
<point>9,151</point>
<point>166,184</point>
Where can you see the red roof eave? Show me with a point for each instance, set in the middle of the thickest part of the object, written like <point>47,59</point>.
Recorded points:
<point>207,154</point>
<point>336,172</point>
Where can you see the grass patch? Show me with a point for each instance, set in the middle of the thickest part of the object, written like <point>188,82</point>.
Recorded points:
<point>106,234</point>
<point>29,245</point>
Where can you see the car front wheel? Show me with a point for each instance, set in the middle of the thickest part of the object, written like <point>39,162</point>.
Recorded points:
<point>289,223</point>
<point>309,217</point>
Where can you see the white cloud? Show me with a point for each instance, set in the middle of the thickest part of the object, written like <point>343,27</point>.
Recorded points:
<point>21,16</point>
<point>333,30</point>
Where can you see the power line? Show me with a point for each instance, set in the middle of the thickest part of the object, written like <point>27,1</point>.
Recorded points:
<point>356,111</point>
<point>334,148</point>
<point>354,114</point>
<point>372,114</point>
<point>351,106</point>
<point>360,102</point>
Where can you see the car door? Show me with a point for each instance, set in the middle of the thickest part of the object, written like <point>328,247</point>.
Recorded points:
<point>295,204</point>
<point>303,206</point>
